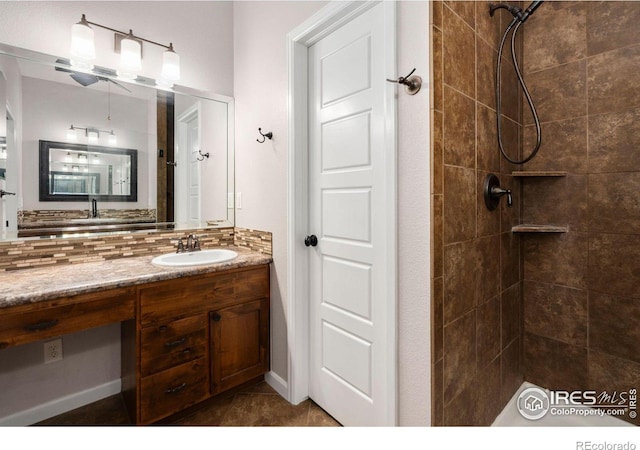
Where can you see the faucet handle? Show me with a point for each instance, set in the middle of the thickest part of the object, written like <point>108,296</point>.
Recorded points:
<point>196,243</point>
<point>180,246</point>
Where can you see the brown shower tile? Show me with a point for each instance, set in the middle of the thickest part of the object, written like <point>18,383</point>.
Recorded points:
<point>437,62</point>
<point>465,9</point>
<point>436,16</point>
<point>556,201</point>
<point>488,331</point>
<point>610,374</point>
<point>510,314</point>
<point>488,404</point>
<point>614,264</point>
<point>486,62</point>
<point>511,371</point>
<point>487,140</point>
<point>510,91</point>
<point>437,245</point>
<point>613,325</point>
<point>437,391</point>
<point>564,146</point>
<point>556,312</point>
<point>487,27</point>
<point>554,364</point>
<point>488,221</point>
<point>437,345</point>
<point>438,155</point>
<point>510,217</point>
<point>459,355</point>
<point>614,202</point>
<point>613,80</point>
<point>558,92</point>
<point>461,273</point>
<point>479,403</point>
<point>511,143</point>
<point>459,129</point>
<point>459,204</point>
<point>510,259</point>
<point>265,410</point>
<point>459,52</point>
<point>611,25</point>
<point>613,141</point>
<point>555,37</point>
<point>471,275</point>
<point>557,259</point>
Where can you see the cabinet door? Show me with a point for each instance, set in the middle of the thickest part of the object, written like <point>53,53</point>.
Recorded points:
<point>239,344</point>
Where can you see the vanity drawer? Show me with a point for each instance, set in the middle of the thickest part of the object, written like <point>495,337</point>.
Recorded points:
<point>174,343</point>
<point>174,389</point>
<point>28,323</point>
<point>179,298</point>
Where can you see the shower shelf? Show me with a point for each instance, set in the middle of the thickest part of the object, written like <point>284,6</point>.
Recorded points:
<point>539,229</point>
<point>538,173</point>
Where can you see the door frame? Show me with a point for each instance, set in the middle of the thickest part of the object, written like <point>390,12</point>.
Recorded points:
<point>183,160</point>
<point>323,23</point>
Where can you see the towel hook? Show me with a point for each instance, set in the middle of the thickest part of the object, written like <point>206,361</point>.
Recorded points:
<point>202,156</point>
<point>268,135</point>
<point>412,83</point>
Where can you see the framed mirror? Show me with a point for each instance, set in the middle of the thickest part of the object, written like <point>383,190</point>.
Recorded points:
<point>77,172</point>
<point>173,185</point>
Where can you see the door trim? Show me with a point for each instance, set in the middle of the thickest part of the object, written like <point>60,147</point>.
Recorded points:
<point>299,40</point>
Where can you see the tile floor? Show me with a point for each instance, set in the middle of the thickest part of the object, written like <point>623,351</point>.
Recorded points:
<point>257,405</point>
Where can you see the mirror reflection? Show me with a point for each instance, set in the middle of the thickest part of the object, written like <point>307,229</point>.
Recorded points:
<point>146,156</point>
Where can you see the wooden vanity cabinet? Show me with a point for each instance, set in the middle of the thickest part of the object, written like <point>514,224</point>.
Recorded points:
<point>196,337</point>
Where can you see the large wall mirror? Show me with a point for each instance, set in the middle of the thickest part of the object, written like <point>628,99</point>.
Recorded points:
<point>75,142</point>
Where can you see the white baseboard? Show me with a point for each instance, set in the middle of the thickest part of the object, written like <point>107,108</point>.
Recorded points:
<point>277,383</point>
<point>61,405</point>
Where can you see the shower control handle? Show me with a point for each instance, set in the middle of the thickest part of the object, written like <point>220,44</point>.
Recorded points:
<point>499,192</point>
<point>493,192</point>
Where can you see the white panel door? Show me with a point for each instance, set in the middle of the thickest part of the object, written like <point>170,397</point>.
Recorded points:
<point>193,146</point>
<point>349,208</point>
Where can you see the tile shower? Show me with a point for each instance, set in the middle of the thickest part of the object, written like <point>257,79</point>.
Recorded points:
<point>558,310</point>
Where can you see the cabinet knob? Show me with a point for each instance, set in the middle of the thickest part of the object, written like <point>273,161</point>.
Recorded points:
<point>216,317</point>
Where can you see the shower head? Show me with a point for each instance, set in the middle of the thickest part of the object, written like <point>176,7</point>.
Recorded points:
<point>517,13</point>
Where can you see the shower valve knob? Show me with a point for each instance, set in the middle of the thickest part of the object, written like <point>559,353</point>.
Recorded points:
<point>493,192</point>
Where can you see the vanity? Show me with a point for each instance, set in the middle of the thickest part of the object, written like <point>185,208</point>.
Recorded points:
<point>188,333</point>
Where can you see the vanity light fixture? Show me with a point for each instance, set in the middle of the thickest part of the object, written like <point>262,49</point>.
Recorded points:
<point>93,134</point>
<point>130,48</point>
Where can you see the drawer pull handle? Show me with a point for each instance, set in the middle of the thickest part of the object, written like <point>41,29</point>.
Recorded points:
<point>176,389</point>
<point>175,343</point>
<point>186,350</point>
<point>162,328</point>
<point>42,325</point>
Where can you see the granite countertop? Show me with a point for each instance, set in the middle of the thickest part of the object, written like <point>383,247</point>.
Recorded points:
<point>27,286</point>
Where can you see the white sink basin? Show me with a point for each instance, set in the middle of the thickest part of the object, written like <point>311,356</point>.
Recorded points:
<point>197,258</point>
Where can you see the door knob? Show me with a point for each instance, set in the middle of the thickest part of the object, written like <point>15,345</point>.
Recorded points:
<point>311,241</point>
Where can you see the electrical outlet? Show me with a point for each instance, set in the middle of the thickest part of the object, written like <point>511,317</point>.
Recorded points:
<point>53,351</point>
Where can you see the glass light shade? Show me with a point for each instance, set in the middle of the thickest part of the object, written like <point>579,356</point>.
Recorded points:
<point>92,136</point>
<point>82,50</point>
<point>112,139</point>
<point>72,134</point>
<point>170,66</point>
<point>130,59</point>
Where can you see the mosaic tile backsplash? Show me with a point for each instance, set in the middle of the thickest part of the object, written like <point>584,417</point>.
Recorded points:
<point>24,254</point>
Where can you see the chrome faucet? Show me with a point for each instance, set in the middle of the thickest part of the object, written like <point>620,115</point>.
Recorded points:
<point>193,244</point>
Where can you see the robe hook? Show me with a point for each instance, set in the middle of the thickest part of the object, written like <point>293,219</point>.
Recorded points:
<point>268,135</point>
<point>412,83</point>
<point>202,156</point>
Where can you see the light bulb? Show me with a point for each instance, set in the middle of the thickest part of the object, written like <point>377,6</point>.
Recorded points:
<point>72,134</point>
<point>83,50</point>
<point>112,139</point>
